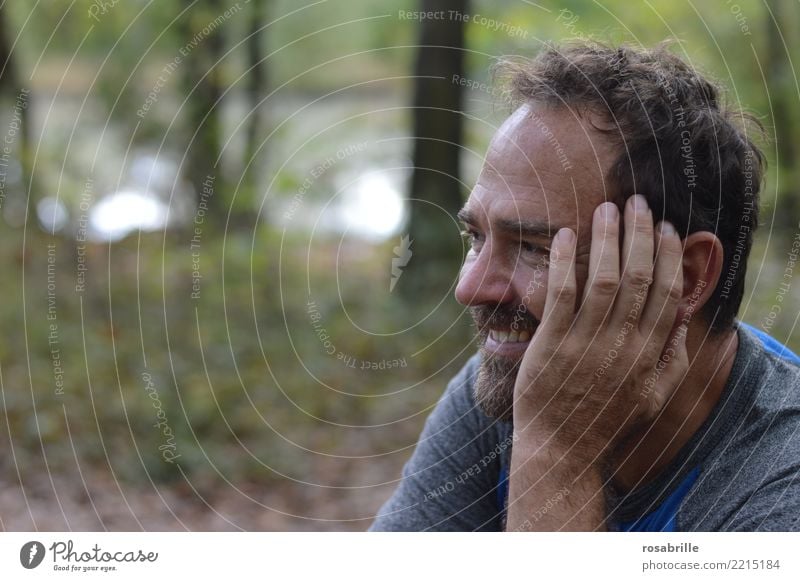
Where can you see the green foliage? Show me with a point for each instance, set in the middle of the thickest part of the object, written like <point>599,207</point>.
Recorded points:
<point>226,368</point>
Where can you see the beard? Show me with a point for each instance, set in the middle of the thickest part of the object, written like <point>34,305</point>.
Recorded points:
<point>497,375</point>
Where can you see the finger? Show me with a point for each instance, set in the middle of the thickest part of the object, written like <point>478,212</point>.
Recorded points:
<point>559,307</point>
<point>669,371</point>
<point>659,313</point>
<point>603,281</point>
<point>637,261</point>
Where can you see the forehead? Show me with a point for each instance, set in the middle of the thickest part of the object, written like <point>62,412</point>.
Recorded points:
<point>547,165</point>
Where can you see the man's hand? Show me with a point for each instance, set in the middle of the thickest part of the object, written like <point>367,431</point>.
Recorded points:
<point>589,377</point>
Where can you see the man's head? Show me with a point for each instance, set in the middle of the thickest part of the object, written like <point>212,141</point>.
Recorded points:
<point>600,124</point>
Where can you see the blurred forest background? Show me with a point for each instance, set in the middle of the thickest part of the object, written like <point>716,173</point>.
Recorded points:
<point>227,294</point>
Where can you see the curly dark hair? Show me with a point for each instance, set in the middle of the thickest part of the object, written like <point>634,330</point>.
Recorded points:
<point>682,148</point>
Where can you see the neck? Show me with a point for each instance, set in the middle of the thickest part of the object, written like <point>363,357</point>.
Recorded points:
<point>655,445</point>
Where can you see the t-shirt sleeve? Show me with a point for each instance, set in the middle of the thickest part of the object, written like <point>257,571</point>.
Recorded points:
<point>773,465</point>
<point>450,482</point>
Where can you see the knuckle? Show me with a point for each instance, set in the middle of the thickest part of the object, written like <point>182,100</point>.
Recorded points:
<point>667,294</point>
<point>670,252</point>
<point>639,277</point>
<point>641,227</point>
<point>645,363</point>
<point>604,284</point>
<point>674,292</point>
<point>561,259</point>
<point>566,292</point>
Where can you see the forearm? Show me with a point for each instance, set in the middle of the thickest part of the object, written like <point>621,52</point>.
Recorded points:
<point>551,490</point>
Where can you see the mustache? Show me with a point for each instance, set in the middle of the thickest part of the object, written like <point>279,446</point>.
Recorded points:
<point>514,317</point>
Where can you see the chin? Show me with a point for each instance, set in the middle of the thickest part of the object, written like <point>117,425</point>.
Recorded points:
<point>494,385</point>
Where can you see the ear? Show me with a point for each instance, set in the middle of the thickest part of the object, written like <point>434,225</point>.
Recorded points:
<point>702,268</point>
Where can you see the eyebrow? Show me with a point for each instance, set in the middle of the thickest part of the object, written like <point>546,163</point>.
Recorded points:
<point>530,228</point>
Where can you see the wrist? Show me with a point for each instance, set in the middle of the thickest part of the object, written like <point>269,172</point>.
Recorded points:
<point>584,450</point>
<point>551,488</point>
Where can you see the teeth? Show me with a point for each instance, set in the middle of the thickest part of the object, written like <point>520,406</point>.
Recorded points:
<point>509,336</point>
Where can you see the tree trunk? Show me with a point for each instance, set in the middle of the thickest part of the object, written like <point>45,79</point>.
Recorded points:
<point>436,191</point>
<point>257,75</point>
<point>12,88</point>
<point>203,105</point>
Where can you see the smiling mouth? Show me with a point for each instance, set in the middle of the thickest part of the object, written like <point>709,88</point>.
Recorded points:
<point>500,336</point>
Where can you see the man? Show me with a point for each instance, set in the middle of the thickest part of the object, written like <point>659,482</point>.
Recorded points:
<point>614,388</point>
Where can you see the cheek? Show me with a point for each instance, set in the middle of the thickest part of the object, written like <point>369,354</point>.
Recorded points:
<point>533,290</point>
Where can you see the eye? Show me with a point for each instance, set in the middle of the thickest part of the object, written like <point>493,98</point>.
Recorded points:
<point>472,237</point>
<point>535,251</point>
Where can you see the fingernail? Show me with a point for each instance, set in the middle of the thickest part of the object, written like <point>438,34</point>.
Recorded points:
<point>564,236</point>
<point>640,203</point>
<point>609,212</point>
<point>667,229</point>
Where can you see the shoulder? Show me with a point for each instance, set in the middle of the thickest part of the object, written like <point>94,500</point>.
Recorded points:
<point>460,389</point>
<point>771,345</point>
<point>777,387</point>
<point>450,481</point>
<point>751,481</point>
<point>457,418</point>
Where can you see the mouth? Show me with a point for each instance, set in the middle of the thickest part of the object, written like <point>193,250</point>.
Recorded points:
<point>504,330</point>
<point>508,342</point>
<point>509,336</point>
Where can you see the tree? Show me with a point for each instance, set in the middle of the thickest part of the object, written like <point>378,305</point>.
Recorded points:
<point>438,129</point>
<point>203,85</point>
<point>12,88</point>
<point>257,72</point>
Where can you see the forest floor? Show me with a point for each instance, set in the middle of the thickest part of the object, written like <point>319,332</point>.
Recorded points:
<point>65,503</point>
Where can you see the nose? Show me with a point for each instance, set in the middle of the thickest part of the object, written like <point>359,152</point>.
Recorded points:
<point>484,280</point>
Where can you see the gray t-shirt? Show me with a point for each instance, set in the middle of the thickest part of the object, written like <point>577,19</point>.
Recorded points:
<point>739,471</point>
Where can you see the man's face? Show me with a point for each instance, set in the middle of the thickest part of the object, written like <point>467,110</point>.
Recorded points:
<point>544,170</point>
